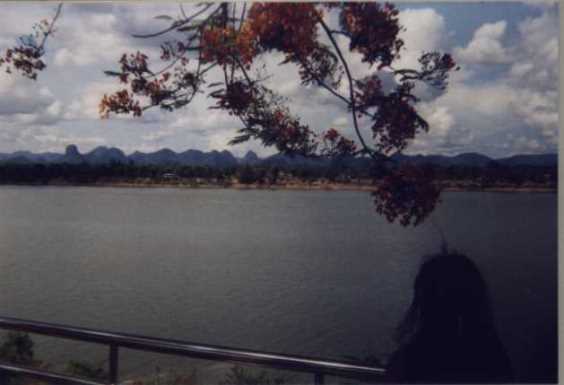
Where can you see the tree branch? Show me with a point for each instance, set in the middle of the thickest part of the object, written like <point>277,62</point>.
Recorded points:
<point>367,149</point>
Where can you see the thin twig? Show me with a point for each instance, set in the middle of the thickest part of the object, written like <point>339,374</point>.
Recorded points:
<point>174,25</point>
<point>51,26</point>
<point>182,11</point>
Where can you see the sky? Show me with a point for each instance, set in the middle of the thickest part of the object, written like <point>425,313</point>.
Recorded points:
<point>503,101</point>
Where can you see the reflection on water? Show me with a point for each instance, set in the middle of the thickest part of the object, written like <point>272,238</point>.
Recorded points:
<point>316,273</point>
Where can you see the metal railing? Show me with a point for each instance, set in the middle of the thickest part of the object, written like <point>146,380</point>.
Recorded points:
<point>318,367</point>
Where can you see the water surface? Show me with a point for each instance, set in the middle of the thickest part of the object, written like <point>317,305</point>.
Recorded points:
<point>311,272</point>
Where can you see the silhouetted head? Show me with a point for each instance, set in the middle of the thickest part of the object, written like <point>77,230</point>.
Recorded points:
<point>448,334</point>
<point>450,296</point>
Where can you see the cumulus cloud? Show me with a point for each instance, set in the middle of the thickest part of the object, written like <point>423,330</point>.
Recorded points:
<point>86,107</point>
<point>22,101</point>
<point>425,30</point>
<point>514,110</point>
<point>486,46</point>
<point>535,74</point>
<point>94,38</point>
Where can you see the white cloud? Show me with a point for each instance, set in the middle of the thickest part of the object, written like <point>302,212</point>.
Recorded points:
<point>22,102</point>
<point>86,39</point>
<point>438,117</point>
<point>87,106</point>
<point>539,110</point>
<point>425,30</point>
<point>515,110</point>
<point>535,74</point>
<point>62,107</point>
<point>486,46</point>
<point>536,63</point>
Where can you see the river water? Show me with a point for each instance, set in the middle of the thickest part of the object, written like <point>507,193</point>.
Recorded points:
<point>300,272</point>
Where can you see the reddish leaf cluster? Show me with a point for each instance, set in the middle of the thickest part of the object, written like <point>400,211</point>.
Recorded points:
<point>320,64</point>
<point>27,60</point>
<point>265,119</point>
<point>134,71</point>
<point>287,27</point>
<point>337,145</point>
<point>135,64</point>
<point>226,46</point>
<point>120,102</point>
<point>26,57</point>
<point>170,50</point>
<point>373,30</point>
<point>368,92</point>
<point>161,89</point>
<point>435,68</point>
<point>236,98</point>
<point>396,120</point>
<point>407,194</point>
<point>291,28</point>
<point>287,133</point>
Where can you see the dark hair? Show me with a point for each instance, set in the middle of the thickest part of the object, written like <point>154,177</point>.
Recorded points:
<point>449,289</point>
<point>448,334</point>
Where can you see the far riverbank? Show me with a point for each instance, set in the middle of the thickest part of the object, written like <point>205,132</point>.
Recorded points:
<point>300,186</point>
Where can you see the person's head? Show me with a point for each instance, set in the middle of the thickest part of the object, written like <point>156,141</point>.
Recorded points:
<point>449,295</point>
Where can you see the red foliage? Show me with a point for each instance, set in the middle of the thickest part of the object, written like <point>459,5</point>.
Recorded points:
<point>288,133</point>
<point>407,194</point>
<point>369,92</point>
<point>134,71</point>
<point>25,59</point>
<point>396,120</point>
<point>373,30</point>
<point>337,145</point>
<point>236,98</point>
<point>287,27</point>
<point>292,28</point>
<point>120,102</point>
<point>227,46</point>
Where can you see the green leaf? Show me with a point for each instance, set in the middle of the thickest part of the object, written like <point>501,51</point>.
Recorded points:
<point>164,17</point>
<point>239,139</point>
<point>112,73</point>
<point>187,28</point>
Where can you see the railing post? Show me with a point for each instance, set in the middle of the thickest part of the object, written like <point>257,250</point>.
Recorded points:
<point>113,341</point>
<point>114,357</point>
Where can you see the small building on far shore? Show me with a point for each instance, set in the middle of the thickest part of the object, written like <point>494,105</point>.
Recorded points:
<point>170,176</point>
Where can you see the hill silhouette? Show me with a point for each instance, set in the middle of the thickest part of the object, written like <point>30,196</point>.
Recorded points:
<point>224,159</point>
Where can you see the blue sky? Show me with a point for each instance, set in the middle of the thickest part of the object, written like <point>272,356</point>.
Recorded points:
<point>503,101</point>
<point>463,18</point>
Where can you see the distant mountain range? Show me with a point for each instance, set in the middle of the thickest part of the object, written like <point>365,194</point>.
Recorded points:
<point>105,155</point>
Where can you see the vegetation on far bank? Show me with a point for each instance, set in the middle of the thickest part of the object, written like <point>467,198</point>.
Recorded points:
<point>335,176</point>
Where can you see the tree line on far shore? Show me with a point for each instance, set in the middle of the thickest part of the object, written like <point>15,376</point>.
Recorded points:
<point>493,174</point>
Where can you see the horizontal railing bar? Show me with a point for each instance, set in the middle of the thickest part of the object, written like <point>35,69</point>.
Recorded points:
<point>188,349</point>
<point>38,374</point>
